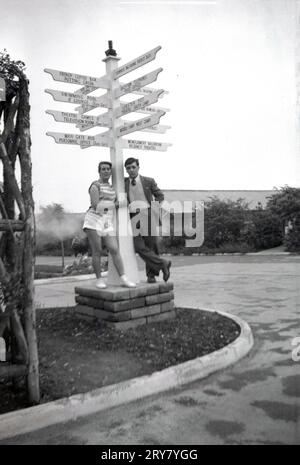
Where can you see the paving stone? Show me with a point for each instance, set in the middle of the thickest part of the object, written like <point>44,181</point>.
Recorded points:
<point>84,310</point>
<point>90,301</point>
<point>166,306</point>
<point>159,298</point>
<point>144,311</point>
<point>112,293</point>
<point>165,287</point>
<point>144,289</point>
<point>161,316</point>
<point>124,304</point>
<point>81,316</point>
<point>124,325</point>
<point>112,316</point>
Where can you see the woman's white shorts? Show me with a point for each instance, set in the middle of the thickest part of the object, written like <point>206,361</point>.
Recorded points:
<point>103,224</point>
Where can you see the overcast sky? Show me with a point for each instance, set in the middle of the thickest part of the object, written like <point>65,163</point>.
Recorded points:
<point>229,67</point>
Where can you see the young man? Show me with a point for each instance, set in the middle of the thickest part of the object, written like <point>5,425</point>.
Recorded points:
<point>141,191</point>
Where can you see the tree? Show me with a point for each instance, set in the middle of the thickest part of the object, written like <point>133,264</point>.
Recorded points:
<point>51,224</point>
<point>262,230</point>
<point>285,204</point>
<point>224,220</point>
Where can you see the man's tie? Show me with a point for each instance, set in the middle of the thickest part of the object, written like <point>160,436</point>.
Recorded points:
<point>133,182</point>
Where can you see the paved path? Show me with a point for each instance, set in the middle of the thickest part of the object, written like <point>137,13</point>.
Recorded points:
<point>257,401</point>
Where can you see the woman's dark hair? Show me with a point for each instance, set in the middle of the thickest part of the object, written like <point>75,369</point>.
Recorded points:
<point>104,163</point>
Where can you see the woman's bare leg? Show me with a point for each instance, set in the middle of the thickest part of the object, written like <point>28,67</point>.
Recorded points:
<point>95,243</point>
<point>113,247</point>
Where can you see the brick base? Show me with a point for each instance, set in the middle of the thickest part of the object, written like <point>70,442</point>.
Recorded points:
<point>123,308</point>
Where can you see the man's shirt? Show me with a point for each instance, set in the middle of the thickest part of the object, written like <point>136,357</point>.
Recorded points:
<point>137,196</point>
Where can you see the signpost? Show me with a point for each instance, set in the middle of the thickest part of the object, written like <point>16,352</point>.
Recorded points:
<point>139,124</point>
<point>68,97</point>
<point>138,83</point>
<point>116,128</point>
<point>101,140</point>
<point>72,78</point>
<point>75,118</point>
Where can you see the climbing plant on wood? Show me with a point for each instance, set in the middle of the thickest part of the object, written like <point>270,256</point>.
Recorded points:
<point>17,231</point>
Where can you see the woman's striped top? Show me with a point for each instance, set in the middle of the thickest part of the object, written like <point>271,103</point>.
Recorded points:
<point>106,191</point>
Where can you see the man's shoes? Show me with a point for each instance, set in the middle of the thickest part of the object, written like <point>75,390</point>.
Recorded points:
<point>151,279</point>
<point>166,269</point>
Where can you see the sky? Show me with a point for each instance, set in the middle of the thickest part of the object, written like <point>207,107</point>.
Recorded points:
<point>229,67</point>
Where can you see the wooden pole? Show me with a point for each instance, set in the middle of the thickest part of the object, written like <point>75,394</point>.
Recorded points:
<point>29,242</point>
<point>116,157</point>
<point>12,180</point>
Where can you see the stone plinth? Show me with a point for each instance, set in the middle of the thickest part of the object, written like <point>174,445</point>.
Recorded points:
<point>124,308</point>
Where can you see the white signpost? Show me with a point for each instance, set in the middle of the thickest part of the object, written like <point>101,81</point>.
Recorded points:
<point>75,118</point>
<point>116,128</point>
<point>101,140</point>
<point>138,83</point>
<point>139,124</point>
<point>69,97</point>
<point>72,78</point>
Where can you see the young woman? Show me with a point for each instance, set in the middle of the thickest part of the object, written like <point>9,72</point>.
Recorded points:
<point>99,224</point>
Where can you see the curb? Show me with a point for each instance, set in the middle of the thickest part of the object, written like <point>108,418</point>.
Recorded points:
<point>67,279</point>
<point>64,279</point>
<point>70,408</point>
<point>219,254</point>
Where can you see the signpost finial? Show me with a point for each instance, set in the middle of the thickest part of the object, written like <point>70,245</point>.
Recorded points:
<point>110,51</point>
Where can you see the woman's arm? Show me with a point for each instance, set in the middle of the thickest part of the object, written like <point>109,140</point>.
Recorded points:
<point>94,195</point>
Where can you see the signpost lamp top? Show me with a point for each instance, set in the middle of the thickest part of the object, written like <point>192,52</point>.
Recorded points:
<point>110,52</point>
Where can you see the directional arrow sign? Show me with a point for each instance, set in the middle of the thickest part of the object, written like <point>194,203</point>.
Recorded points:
<point>152,110</point>
<point>140,124</point>
<point>78,139</point>
<point>84,90</point>
<point>136,63</point>
<point>125,89</point>
<point>88,125</point>
<point>137,83</point>
<point>69,97</point>
<point>72,78</point>
<point>138,104</point>
<point>144,145</point>
<point>148,90</point>
<point>143,91</point>
<point>66,117</point>
<point>128,107</point>
<point>158,129</point>
<point>133,64</point>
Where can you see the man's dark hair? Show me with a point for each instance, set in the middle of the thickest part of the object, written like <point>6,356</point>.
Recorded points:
<point>132,160</point>
<point>104,163</point>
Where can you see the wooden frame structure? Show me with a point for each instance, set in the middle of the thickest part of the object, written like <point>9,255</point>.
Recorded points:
<point>17,231</point>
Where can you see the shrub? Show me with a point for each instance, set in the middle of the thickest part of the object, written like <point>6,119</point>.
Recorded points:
<point>263,230</point>
<point>292,239</point>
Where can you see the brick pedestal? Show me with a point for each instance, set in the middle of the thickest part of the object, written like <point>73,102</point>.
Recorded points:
<point>125,308</point>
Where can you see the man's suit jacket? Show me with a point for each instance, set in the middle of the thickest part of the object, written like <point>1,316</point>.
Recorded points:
<point>151,189</point>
